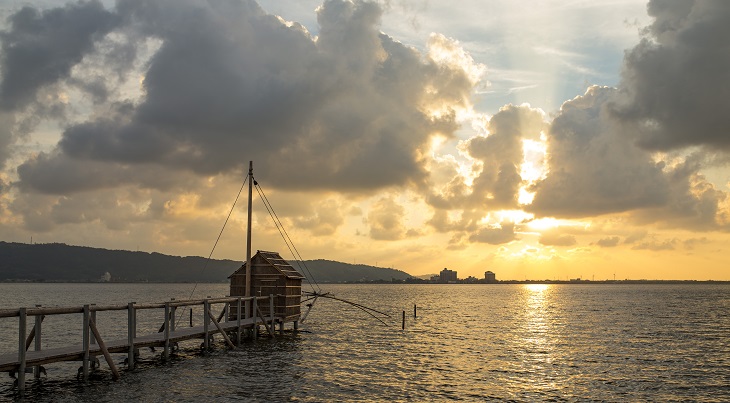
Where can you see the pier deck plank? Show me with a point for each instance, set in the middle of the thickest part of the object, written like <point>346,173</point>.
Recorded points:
<point>9,362</point>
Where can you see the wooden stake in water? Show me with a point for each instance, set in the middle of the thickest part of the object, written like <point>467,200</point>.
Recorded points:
<point>403,325</point>
<point>414,311</point>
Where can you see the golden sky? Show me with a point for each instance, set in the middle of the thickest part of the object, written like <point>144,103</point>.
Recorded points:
<point>559,140</point>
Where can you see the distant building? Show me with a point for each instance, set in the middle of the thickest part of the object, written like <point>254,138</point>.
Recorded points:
<point>447,276</point>
<point>490,277</point>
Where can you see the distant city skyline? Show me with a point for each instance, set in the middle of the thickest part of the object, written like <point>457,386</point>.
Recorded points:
<point>537,140</point>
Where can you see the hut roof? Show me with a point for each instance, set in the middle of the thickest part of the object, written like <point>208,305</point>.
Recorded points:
<point>275,260</point>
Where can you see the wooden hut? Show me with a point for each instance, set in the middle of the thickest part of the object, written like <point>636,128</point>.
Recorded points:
<point>271,274</point>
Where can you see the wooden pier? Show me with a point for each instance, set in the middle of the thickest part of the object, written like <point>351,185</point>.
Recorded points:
<point>256,311</point>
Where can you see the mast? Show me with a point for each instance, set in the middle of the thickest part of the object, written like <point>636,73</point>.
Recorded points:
<point>248,231</point>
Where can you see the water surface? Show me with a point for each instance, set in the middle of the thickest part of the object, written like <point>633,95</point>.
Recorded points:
<point>608,342</point>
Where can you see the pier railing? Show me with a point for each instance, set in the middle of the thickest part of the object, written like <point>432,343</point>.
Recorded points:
<point>169,333</point>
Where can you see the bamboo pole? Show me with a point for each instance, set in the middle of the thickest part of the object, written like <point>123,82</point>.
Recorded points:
<point>22,316</point>
<point>220,329</point>
<point>102,347</point>
<point>248,230</point>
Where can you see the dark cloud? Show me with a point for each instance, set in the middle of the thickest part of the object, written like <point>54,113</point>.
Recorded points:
<point>348,110</point>
<point>56,173</point>
<point>593,168</point>
<point>676,81</point>
<point>41,47</point>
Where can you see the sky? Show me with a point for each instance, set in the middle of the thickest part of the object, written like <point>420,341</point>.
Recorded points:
<point>538,140</point>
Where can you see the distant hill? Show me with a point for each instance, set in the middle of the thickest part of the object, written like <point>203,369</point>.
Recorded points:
<point>61,262</point>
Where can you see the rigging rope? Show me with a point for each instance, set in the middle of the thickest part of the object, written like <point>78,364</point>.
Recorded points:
<point>218,239</point>
<point>285,236</point>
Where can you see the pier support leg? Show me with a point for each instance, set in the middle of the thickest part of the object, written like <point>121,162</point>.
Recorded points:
<point>85,344</point>
<point>21,349</point>
<point>271,313</point>
<point>37,342</point>
<point>102,347</point>
<point>238,322</point>
<point>206,320</point>
<point>131,326</point>
<point>92,339</point>
<point>255,326</point>
<point>166,352</point>
<point>296,325</point>
<point>222,332</point>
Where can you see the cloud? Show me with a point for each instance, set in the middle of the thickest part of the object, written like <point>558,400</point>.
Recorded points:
<point>504,233</point>
<point>41,48</point>
<point>386,220</point>
<point>609,242</point>
<point>593,169</point>
<point>312,112</point>
<point>677,79</point>
<point>655,245</point>
<point>498,156</point>
<point>324,220</point>
<point>557,239</point>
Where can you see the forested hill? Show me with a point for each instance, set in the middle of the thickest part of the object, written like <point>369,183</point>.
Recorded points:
<point>60,262</point>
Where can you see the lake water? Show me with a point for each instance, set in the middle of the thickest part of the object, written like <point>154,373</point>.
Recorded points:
<point>607,342</point>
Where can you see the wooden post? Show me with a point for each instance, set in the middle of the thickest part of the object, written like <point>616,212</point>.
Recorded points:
<point>238,322</point>
<point>130,335</point>
<point>102,347</point>
<point>191,317</point>
<point>92,339</point>
<point>173,310</point>
<point>246,313</point>
<point>271,313</point>
<point>296,325</point>
<point>414,311</point>
<point>403,325</point>
<point>22,317</point>
<point>255,308</point>
<point>220,329</point>
<point>166,352</point>
<point>37,346</point>
<point>206,343</point>
<point>85,343</point>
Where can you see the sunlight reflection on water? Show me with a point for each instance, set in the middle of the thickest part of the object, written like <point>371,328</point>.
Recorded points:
<point>469,342</point>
